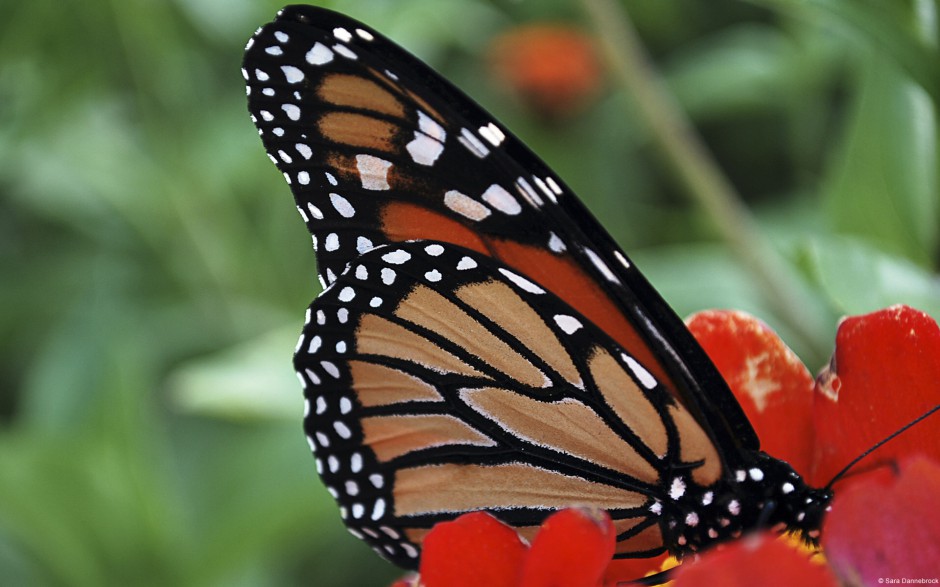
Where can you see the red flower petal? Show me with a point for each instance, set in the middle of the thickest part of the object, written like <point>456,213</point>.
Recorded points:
<point>475,549</point>
<point>884,373</point>
<point>773,387</point>
<point>886,525</point>
<point>572,549</point>
<point>623,570</point>
<point>754,560</point>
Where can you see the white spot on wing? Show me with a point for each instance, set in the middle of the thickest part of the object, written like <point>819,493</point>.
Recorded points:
<point>342,34</point>
<point>497,197</point>
<point>545,190</point>
<point>569,324</point>
<point>465,205</point>
<point>342,206</point>
<point>292,74</point>
<point>363,244</point>
<point>319,54</point>
<point>373,172</point>
<point>601,266</point>
<point>520,281</point>
<point>424,150</point>
<point>466,263</point>
<point>430,127</point>
<point>292,111</point>
<point>347,294</point>
<point>491,133</point>
<point>623,260</point>
<point>472,143</point>
<point>331,243</point>
<point>344,51</point>
<point>305,151</point>
<point>396,257</point>
<point>379,509</point>
<point>644,376</point>
<point>555,244</point>
<point>342,429</point>
<point>531,196</point>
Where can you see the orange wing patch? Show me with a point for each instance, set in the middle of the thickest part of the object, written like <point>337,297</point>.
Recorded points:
<point>464,488</point>
<point>380,336</point>
<point>630,404</point>
<point>393,436</point>
<point>378,385</point>
<point>566,426</point>
<point>431,310</point>
<point>498,302</point>
<point>357,130</point>
<point>353,91</point>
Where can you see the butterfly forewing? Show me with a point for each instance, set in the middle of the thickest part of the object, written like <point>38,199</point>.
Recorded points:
<point>378,148</point>
<point>439,381</point>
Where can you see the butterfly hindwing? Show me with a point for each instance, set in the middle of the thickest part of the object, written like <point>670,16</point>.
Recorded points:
<point>378,149</point>
<point>439,381</point>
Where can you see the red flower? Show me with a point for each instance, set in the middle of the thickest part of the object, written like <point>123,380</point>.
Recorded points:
<point>552,68</point>
<point>884,523</point>
<point>572,549</point>
<point>758,559</point>
<point>884,373</point>
<point>887,525</point>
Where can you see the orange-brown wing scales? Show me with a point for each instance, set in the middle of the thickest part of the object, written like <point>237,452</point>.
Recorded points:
<point>566,425</point>
<point>454,488</point>
<point>439,381</point>
<point>390,437</point>
<point>431,310</point>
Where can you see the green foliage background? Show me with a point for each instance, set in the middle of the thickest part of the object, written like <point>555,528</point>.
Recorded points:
<point>153,271</point>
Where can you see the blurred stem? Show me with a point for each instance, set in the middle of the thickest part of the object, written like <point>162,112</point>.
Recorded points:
<point>698,173</point>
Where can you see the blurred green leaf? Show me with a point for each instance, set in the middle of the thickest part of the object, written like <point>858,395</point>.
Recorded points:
<point>250,380</point>
<point>883,185</point>
<point>858,278</point>
<point>903,30</point>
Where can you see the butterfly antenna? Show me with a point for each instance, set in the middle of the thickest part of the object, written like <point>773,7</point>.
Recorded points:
<point>883,442</point>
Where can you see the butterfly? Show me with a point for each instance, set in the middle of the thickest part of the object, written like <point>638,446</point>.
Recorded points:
<point>481,343</point>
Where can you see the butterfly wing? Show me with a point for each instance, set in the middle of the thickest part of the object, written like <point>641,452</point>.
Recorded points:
<point>378,149</point>
<point>439,381</point>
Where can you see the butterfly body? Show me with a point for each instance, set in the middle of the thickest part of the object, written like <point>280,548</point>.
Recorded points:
<point>481,343</point>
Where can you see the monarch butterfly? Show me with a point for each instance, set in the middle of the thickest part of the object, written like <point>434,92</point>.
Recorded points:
<point>481,343</point>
